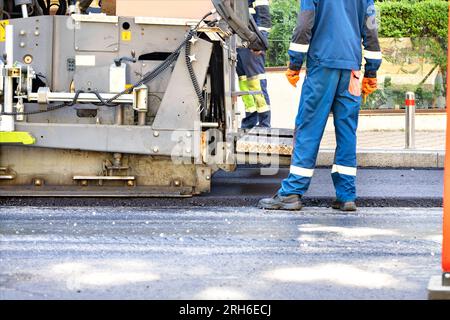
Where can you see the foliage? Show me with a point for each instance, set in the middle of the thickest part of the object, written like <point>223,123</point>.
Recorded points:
<point>284,18</point>
<point>418,20</point>
<point>398,18</point>
<point>414,19</point>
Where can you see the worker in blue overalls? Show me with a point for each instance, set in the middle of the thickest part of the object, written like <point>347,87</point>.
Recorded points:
<point>329,34</point>
<point>251,71</point>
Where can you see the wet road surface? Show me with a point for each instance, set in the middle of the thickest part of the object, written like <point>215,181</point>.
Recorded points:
<point>217,253</point>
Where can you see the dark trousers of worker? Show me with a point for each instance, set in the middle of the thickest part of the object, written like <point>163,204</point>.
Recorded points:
<point>251,71</point>
<point>325,90</point>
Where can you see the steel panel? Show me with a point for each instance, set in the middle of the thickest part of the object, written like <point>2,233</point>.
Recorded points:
<point>96,36</point>
<point>180,108</point>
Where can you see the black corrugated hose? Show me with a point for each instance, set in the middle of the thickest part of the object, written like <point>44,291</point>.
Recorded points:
<point>198,90</point>
<point>148,77</point>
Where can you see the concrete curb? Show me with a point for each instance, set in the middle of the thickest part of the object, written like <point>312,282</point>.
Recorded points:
<point>436,290</point>
<point>390,158</point>
<point>367,158</point>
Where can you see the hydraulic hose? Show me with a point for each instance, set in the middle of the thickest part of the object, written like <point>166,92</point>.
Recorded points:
<point>198,90</point>
<point>50,108</point>
<point>148,77</point>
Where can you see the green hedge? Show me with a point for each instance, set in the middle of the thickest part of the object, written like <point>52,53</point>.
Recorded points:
<point>406,18</point>
<point>398,18</point>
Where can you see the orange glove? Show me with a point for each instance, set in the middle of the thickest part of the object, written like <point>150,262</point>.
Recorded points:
<point>293,77</point>
<point>369,86</point>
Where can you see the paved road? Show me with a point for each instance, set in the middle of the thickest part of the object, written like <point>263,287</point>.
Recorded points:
<point>244,187</point>
<point>217,253</point>
<point>375,187</point>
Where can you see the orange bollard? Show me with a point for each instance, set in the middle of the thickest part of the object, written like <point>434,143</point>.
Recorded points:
<point>446,224</point>
<point>439,286</point>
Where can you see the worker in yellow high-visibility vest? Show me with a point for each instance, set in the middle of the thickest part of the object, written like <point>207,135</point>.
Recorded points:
<point>251,71</point>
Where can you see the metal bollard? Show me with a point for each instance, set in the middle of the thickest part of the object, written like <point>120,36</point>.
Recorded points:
<point>410,115</point>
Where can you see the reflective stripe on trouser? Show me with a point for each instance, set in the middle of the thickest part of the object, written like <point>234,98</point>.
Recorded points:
<point>252,68</point>
<point>254,84</point>
<point>325,90</point>
<point>249,100</point>
<point>344,179</point>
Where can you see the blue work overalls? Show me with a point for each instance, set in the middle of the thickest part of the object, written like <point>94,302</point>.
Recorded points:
<point>329,34</point>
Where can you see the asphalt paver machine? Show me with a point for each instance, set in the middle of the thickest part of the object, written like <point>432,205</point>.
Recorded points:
<point>102,105</point>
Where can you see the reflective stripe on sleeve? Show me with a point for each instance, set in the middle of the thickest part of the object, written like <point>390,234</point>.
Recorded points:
<point>376,55</point>
<point>264,29</point>
<point>258,3</point>
<point>349,171</point>
<point>308,173</point>
<point>261,76</point>
<point>252,10</point>
<point>299,47</point>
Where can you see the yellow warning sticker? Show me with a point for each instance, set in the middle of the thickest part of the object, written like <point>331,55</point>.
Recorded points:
<point>3,25</point>
<point>126,35</point>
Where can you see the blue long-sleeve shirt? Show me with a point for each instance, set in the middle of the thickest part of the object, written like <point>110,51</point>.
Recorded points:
<point>331,33</point>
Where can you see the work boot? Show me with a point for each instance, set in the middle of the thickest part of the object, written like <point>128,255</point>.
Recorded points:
<point>278,202</point>
<point>344,206</point>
